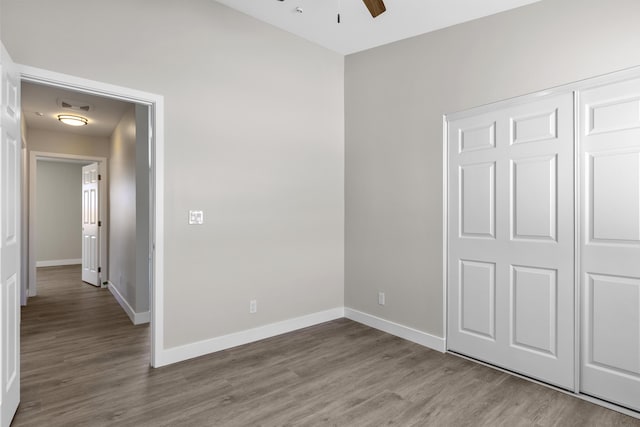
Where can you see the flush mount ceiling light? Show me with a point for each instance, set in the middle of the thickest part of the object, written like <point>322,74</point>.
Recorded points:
<point>71,120</point>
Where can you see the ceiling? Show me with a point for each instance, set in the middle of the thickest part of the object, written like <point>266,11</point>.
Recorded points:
<point>358,30</point>
<point>104,113</point>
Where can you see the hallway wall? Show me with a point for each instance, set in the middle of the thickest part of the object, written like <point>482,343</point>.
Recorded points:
<point>129,215</point>
<point>58,213</point>
<point>46,141</point>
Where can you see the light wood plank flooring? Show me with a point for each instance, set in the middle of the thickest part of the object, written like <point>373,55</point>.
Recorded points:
<point>84,364</point>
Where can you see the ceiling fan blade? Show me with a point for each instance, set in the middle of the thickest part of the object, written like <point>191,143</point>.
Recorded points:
<point>376,7</point>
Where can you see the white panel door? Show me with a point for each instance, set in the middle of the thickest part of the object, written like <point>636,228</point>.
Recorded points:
<point>90,225</point>
<point>610,242</point>
<point>511,239</point>
<point>10,150</point>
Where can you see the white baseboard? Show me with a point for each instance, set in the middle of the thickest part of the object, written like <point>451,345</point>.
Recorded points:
<point>427,340</point>
<point>189,351</point>
<point>57,262</point>
<point>136,318</point>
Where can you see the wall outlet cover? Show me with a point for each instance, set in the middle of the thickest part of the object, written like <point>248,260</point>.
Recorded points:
<point>196,217</point>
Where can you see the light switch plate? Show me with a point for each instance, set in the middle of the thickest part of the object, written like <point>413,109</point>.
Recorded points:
<point>196,217</point>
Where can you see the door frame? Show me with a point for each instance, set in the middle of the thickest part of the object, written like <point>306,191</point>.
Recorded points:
<point>34,156</point>
<point>155,103</point>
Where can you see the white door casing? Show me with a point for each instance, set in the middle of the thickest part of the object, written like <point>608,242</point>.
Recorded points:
<point>511,238</point>
<point>10,164</point>
<point>91,224</point>
<point>610,242</point>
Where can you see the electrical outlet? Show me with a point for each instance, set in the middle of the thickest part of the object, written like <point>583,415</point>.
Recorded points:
<point>381,298</point>
<point>253,306</point>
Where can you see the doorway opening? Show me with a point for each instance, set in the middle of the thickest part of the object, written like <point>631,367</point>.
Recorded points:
<point>55,214</point>
<point>149,223</point>
<point>109,184</point>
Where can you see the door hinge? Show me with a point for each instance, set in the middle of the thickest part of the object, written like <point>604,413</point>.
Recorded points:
<point>99,223</point>
<point>99,269</point>
<point>99,177</point>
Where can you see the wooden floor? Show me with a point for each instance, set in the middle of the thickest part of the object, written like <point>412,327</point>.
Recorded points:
<point>84,364</point>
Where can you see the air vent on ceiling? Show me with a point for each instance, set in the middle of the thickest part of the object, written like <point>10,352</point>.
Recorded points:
<point>75,105</point>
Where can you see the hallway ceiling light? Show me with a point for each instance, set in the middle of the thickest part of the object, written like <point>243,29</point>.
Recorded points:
<point>70,120</point>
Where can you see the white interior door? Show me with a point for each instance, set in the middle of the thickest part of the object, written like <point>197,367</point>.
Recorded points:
<point>90,225</point>
<point>610,242</point>
<point>511,238</point>
<point>10,149</point>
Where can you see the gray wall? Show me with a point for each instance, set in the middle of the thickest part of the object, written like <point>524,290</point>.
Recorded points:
<point>58,211</point>
<point>142,209</point>
<point>395,97</point>
<point>122,207</point>
<point>129,208</point>
<point>254,138</point>
<point>67,143</point>
<point>61,143</point>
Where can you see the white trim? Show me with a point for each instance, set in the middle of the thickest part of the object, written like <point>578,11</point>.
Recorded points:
<point>57,262</point>
<point>24,222</point>
<point>189,351</point>
<point>156,107</point>
<point>156,210</point>
<point>424,339</point>
<point>577,237</point>
<point>92,87</point>
<point>445,228</point>
<point>34,156</point>
<point>136,318</point>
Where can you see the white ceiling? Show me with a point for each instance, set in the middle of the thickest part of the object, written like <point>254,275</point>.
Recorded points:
<point>358,30</point>
<point>103,117</point>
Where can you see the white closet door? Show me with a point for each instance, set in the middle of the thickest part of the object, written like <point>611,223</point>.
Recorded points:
<point>610,242</point>
<point>511,239</point>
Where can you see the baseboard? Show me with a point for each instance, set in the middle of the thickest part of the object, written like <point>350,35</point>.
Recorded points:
<point>427,340</point>
<point>201,348</point>
<point>136,318</point>
<point>189,351</point>
<point>58,262</point>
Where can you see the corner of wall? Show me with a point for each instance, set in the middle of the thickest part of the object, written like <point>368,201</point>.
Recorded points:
<point>137,318</point>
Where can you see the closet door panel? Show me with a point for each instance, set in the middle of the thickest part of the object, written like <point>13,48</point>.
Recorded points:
<point>534,293</point>
<point>477,298</point>
<point>610,242</point>
<point>474,239</point>
<point>535,185</point>
<point>613,307</point>
<point>478,200</point>
<point>615,196</point>
<point>511,239</point>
